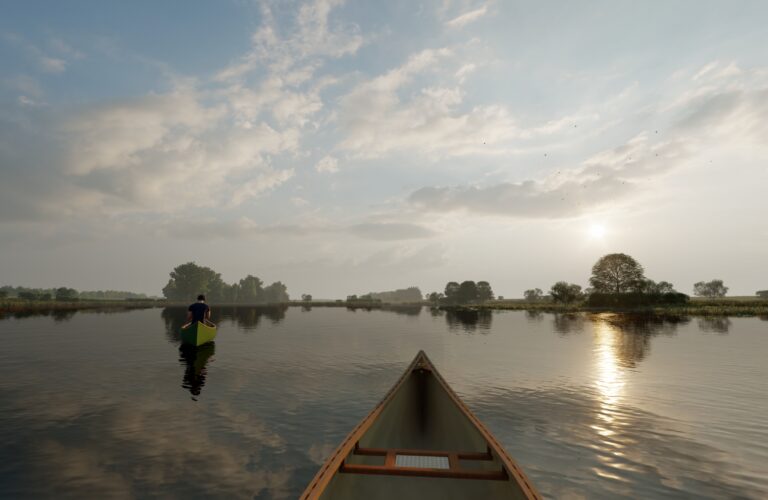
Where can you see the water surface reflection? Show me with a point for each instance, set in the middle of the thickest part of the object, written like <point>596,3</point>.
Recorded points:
<point>592,406</point>
<point>615,449</point>
<point>195,359</point>
<point>469,320</point>
<point>714,324</point>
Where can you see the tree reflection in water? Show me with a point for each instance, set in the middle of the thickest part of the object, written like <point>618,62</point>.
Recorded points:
<point>633,334</point>
<point>714,324</point>
<point>405,310</point>
<point>174,318</point>
<point>567,323</point>
<point>245,317</point>
<point>630,333</point>
<point>534,316</point>
<point>248,318</point>
<point>57,314</point>
<point>195,360</point>
<point>469,320</point>
<point>63,315</point>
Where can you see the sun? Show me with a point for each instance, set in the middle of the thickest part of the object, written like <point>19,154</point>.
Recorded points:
<point>597,231</point>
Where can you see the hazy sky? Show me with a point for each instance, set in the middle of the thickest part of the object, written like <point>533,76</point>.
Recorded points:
<point>366,146</point>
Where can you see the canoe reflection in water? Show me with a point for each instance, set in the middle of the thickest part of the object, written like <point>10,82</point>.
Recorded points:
<point>195,360</point>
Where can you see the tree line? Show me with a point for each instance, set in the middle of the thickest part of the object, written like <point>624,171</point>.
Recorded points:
<point>66,294</point>
<point>188,280</point>
<point>619,280</point>
<point>466,292</point>
<point>401,296</point>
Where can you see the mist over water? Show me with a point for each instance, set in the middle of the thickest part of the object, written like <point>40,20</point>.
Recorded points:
<point>592,406</point>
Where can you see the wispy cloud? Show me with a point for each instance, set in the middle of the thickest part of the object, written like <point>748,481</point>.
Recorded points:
<point>218,139</point>
<point>245,227</point>
<point>392,113</point>
<point>717,110</point>
<point>327,165</point>
<point>29,102</point>
<point>467,17</point>
<point>295,54</point>
<point>45,61</point>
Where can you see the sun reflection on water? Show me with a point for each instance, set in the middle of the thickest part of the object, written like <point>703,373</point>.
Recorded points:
<point>609,384</point>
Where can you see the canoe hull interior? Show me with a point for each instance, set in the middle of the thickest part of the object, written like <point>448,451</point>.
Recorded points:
<point>197,334</point>
<point>420,416</point>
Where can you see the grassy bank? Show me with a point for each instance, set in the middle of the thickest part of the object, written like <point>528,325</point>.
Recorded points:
<point>11,305</point>
<point>736,306</point>
<point>728,306</point>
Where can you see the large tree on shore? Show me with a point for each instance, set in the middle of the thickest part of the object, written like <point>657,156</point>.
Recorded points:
<point>564,292</point>
<point>714,288</point>
<point>188,280</point>
<point>63,294</point>
<point>250,290</point>
<point>533,295</point>
<point>276,293</point>
<point>616,273</point>
<point>467,292</point>
<point>451,292</point>
<point>484,291</point>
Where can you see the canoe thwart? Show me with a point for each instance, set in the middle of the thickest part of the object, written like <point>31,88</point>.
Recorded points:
<point>386,470</point>
<point>425,463</point>
<point>461,455</point>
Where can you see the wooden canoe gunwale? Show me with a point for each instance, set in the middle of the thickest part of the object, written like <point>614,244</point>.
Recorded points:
<point>350,444</point>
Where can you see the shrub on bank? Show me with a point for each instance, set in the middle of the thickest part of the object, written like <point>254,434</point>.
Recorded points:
<point>635,299</point>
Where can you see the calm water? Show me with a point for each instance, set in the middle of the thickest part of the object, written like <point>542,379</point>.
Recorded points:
<point>106,405</point>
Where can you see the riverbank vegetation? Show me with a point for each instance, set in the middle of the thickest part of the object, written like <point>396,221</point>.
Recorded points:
<point>617,284</point>
<point>65,294</point>
<point>188,280</point>
<point>15,304</point>
<point>741,306</point>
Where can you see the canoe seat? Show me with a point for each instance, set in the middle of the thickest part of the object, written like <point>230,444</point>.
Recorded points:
<point>426,463</point>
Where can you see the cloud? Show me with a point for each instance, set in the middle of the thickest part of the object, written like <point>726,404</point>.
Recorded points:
<point>327,165</point>
<point>391,114</point>
<point>52,64</point>
<point>600,181</point>
<point>113,136</point>
<point>143,152</point>
<point>467,17</point>
<point>220,142</point>
<point>245,227</point>
<point>46,62</point>
<point>25,84</point>
<point>723,112</point>
<point>264,182</point>
<point>296,53</point>
<point>60,46</point>
<point>390,231</point>
<point>29,102</point>
<point>464,71</point>
<point>526,199</point>
<point>298,201</point>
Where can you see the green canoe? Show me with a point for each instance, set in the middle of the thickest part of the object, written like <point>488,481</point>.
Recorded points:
<point>420,441</point>
<point>197,333</point>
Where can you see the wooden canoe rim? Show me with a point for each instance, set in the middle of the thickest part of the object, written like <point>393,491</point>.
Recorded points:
<point>335,462</point>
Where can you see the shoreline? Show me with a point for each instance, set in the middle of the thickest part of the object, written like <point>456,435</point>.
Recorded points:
<point>697,307</point>
<point>718,307</point>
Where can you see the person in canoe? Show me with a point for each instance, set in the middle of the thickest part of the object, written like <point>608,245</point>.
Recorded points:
<point>199,311</point>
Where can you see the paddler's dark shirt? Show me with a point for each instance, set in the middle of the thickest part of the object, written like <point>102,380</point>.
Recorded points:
<point>198,310</point>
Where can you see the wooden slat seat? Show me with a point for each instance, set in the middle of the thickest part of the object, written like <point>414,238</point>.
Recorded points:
<point>454,469</point>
